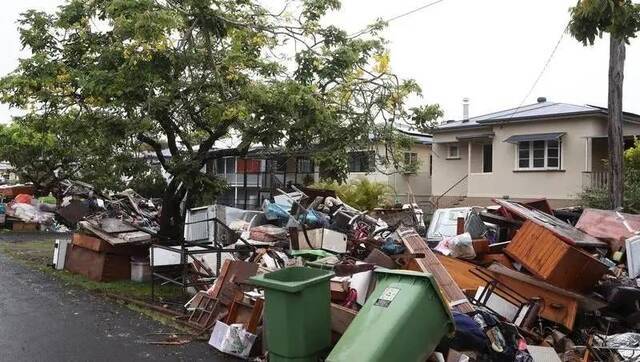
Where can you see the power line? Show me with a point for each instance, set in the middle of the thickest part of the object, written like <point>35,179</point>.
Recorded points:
<point>420,8</point>
<point>544,68</point>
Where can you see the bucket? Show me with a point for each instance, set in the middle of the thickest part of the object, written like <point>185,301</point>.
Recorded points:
<point>140,271</point>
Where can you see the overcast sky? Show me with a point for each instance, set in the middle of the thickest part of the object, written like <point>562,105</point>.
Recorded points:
<point>490,51</point>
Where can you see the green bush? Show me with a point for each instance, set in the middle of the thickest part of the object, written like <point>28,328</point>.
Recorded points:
<point>361,193</point>
<point>599,197</point>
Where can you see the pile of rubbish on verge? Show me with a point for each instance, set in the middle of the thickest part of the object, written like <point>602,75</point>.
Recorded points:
<point>509,282</point>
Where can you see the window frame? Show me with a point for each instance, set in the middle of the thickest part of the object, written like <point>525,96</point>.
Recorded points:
<point>360,158</point>
<point>531,155</point>
<point>451,156</point>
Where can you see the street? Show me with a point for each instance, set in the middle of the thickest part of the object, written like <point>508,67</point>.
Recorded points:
<point>43,320</point>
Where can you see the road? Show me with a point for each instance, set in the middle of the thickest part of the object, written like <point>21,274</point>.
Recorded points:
<point>43,320</point>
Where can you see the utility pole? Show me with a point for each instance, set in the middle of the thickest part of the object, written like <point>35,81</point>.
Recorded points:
<point>614,129</point>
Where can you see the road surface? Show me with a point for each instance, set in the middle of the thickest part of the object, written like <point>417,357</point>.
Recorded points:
<point>43,320</point>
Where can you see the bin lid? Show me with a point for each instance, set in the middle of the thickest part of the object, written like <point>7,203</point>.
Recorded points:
<point>432,281</point>
<point>291,280</point>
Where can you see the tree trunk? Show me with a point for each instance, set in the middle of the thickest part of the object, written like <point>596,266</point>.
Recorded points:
<point>171,221</point>
<point>616,145</point>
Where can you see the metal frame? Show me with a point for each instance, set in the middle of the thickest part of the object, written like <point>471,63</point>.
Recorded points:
<point>503,291</point>
<point>183,279</point>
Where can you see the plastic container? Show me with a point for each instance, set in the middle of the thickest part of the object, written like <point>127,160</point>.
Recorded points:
<point>297,313</point>
<point>404,319</point>
<point>140,271</point>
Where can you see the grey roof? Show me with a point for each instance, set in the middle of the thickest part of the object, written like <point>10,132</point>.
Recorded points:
<point>541,110</point>
<point>418,137</point>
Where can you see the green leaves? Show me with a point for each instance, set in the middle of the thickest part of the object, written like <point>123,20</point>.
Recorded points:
<point>105,75</point>
<point>591,18</point>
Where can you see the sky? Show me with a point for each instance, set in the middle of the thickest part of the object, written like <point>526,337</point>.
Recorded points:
<point>490,51</point>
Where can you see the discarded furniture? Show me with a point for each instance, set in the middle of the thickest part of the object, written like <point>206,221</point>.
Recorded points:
<point>551,259</point>
<point>404,319</point>
<point>612,226</point>
<point>430,264</point>
<point>99,267</point>
<point>297,312</point>
<point>60,253</point>
<point>558,227</point>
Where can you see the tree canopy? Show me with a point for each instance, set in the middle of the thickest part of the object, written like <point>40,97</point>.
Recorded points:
<point>189,73</point>
<point>591,18</point>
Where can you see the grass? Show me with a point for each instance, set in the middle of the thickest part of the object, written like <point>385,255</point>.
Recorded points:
<point>37,255</point>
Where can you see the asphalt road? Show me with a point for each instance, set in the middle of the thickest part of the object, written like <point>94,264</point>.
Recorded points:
<point>43,320</point>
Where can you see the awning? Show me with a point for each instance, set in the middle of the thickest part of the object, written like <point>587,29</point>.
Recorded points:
<point>534,137</point>
<point>477,137</point>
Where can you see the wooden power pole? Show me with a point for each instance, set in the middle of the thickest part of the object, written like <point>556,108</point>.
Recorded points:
<point>615,135</point>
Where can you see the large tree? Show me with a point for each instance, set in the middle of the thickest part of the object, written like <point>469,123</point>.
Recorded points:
<point>189,73</point>
<point>44,151</point>
<point>621,20</point>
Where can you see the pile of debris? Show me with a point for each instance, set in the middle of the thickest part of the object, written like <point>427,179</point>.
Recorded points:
<point>112,232</point>
<point>23,212</point>
<point>508,282</point>
<point>564,287</point>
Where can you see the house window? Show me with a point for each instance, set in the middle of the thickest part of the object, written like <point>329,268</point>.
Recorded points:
<point>304,165</point>
<point>539,154</point>
<point>410,158</point>
<point>361,161</point>
<point>225,165</point>
<point>411,162</point>
<point>487,158</point>
<point>453,151</point>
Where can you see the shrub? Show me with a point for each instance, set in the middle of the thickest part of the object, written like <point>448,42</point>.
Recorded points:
<point>361,193</point>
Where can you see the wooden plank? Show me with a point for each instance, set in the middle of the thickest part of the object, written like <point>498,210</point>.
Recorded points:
<point>549,258</point>
<point>233,273</point>
<point>341,318</point>
<point>101,234</point>
<point>98,245</point>
<point>430,264</point>
<point>585,302</point>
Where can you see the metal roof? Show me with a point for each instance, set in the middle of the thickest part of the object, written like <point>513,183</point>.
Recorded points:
<point>418,137</point>
<point>541,110</point>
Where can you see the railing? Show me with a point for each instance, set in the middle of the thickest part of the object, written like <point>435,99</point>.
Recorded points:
<point>595,180</point>
<point>449,190</point>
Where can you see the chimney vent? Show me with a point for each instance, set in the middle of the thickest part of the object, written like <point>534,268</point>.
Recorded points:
<point>465,109</point>
<point>542,99</point>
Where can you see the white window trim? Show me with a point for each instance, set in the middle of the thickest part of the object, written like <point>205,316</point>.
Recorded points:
<point>546,158</point>
<point>457,155</point>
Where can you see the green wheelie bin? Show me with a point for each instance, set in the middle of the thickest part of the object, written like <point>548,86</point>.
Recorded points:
<point>297,313</point>
<point>404,319</point>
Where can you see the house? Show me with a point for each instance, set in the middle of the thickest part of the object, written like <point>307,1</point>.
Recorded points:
<point>252,178</point>
<point>405,185</point>
<point>546,149</point>
<point>7,173</point>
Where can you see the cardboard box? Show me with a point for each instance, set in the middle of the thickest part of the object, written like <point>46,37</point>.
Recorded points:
<point>232,339</point>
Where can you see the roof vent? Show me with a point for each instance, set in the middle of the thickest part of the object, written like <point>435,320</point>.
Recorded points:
<point>450,120</point>
<point>542,99</point>
<point>465,109</point>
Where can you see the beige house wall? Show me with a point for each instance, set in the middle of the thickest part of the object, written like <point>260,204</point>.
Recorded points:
<point>581,151</point>
<point>418,184</point>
